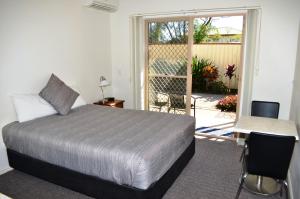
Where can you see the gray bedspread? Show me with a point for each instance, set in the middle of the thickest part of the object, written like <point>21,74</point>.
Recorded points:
<point>129,147</point>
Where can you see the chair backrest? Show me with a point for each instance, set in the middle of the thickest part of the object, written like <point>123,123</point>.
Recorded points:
<point>177,100</point>
<point>269,155</point>
<point>265,109</point>
<point>161,97</point>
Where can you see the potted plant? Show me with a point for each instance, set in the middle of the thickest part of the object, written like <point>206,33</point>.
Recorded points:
<point>210,74</point>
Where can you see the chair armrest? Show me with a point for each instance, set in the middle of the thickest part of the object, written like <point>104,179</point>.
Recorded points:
<point>195,100</point>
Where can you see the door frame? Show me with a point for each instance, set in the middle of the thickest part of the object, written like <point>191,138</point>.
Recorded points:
<point>191,19</point>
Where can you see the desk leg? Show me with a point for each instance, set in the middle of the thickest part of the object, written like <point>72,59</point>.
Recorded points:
<point>240,138</point>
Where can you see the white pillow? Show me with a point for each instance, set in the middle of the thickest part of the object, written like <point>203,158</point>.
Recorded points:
<point>79,102</point>
<point>31,106</point>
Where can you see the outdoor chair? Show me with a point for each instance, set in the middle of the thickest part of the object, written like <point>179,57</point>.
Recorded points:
<point>178,102</point>
<point>161,100</point>
<point>194,104</point>
<point>267,155</point>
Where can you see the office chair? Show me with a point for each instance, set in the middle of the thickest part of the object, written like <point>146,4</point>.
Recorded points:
<point>269,156</point>
<point>263,109</point>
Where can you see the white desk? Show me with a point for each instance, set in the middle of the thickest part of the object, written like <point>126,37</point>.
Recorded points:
<point>247,124</point>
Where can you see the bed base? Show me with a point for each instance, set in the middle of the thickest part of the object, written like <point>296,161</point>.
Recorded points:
<point>96,187</point>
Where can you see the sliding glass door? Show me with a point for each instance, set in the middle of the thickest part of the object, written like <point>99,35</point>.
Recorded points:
<point>168,55</point>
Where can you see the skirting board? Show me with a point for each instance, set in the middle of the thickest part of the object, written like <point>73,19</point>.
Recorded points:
<point>4,166</point>
<point>3,171</point>
<point>291,192</point>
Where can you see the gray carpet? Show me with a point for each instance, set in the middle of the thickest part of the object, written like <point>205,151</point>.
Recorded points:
<point>212,174</point>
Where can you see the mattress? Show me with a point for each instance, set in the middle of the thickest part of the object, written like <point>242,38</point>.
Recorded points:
<point>128,147</point>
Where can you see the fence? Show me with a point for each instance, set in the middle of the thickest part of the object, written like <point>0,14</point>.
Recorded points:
<point>221,54</point>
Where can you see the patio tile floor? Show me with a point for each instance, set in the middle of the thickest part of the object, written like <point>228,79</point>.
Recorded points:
<point>208,116</point>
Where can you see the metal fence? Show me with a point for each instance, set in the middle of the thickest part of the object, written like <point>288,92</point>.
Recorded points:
<point>221,54</point>
<point>167,78</point>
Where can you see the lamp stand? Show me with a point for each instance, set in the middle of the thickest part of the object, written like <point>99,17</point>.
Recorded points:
<point>103,100</point>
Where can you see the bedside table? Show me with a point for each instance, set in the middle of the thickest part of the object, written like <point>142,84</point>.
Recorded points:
<point>116,103</point>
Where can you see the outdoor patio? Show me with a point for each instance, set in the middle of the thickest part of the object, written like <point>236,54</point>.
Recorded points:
<point>209,119</point>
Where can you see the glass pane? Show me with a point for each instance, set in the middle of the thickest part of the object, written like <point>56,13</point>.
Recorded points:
<point>168,48</point>
<point>167,59</point>
<point>167,69</point>
<point>172,32</point>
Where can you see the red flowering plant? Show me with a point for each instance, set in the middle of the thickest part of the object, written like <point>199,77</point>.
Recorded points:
<point>230,71</point>
<point>228,103</point>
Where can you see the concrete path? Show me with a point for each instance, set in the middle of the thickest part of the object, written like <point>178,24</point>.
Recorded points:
<point>208,116</point>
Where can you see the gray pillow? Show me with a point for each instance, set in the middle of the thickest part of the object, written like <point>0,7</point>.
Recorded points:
<point>59,95</point>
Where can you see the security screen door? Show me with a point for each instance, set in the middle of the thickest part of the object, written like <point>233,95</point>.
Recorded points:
<point>168,55</point>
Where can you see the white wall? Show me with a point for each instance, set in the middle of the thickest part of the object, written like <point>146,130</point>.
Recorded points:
<point>279,35</point>
<point>279,30</point>
<point>295,115</point>
<point>38,38</point>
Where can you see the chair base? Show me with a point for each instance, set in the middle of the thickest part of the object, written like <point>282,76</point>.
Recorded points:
<point>262,185</point>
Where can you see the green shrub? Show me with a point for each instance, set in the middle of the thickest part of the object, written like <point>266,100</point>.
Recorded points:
<point>198,64</point>
<point>217,87</point>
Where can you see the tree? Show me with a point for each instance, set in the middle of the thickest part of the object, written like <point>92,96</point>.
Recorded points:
<point>201,30</point>
<point>176,32</point>
<point>154,32</point>
<point>173,32</point>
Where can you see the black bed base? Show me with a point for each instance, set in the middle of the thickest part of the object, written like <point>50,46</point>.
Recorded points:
<point>96,187</point>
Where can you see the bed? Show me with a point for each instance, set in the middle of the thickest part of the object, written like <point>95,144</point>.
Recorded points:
<point>104,152</point>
